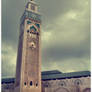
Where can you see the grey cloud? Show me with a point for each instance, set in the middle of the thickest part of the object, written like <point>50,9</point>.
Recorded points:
<point>11,12</point>
<point>68,65</point>
<point>67,39</point>
<point>8,61</point>
<point>52,9</point>
<point>70,39</point>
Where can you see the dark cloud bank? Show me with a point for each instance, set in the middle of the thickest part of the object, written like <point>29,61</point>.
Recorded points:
<point>65,34</point>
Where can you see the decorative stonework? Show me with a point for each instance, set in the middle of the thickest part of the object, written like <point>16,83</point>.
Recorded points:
<point>61,90</point>
<point>30,15</point>
<point>78,82</point>
<point>62,83</point>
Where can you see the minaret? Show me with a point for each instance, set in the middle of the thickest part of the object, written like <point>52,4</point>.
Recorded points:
<point>28,68</point>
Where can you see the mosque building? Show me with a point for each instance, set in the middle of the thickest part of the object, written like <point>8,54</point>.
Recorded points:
<point>29,77</point>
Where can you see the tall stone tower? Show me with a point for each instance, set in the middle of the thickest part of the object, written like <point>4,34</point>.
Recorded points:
<point>28,68</point>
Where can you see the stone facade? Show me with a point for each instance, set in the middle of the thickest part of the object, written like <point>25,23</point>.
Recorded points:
<point>64,85</point>
<point>28,69</point>
<point>67,85</point>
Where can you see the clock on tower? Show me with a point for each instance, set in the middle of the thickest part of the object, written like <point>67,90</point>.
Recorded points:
<point>28,68</point>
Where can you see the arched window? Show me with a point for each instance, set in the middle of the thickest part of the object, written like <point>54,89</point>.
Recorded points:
<point>32,28</point>
<point>25,83</point>
<point>27,31</point>
<point>31,83</point>
<point>61,89</point>
<point>32,7</point>
<point>62,83</point>
<point>78,82</point>
<point>36,84</point>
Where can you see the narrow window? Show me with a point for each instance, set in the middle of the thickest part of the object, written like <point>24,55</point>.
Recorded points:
<point>62,85</point>
<point>31,83</point>
<point>36,84</point>
<point>78,83</point>
<point>25,83</point>
<point>33,7</point>
<point>27,31</point>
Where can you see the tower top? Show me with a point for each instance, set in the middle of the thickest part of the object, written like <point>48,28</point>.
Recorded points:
<point>32,6</point>
<point>32,1</point>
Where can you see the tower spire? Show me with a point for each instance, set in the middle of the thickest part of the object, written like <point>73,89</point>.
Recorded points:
<point>31,0</point>
<point>32,6</point>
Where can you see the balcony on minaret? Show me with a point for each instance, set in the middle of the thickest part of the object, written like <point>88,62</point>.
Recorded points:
<point>32,6</point>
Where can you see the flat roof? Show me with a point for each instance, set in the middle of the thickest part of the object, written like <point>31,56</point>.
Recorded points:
<point>66,75</point>
<point>53,75</point>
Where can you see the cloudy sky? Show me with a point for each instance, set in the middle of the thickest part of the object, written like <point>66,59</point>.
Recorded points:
<point>65,34</point>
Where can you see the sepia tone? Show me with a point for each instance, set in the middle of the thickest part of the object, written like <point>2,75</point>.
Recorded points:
<point>28,76</point>
<point>55,81</point>
<point>28,68</point>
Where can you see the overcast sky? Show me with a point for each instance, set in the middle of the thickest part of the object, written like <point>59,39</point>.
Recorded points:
<point>65,34</point>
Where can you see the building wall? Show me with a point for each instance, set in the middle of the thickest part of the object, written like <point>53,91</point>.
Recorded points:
<point>65,85</point>
<point>7,87</point>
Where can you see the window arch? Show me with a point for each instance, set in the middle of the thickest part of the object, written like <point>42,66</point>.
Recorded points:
<point>32,28</point>
<point>78,82</point>
<point>61,90</point>
<point>36,84</point>
<point>62,83</point>
<point>31,83</point>
<point>87,90</point>
<point>25,83</point>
